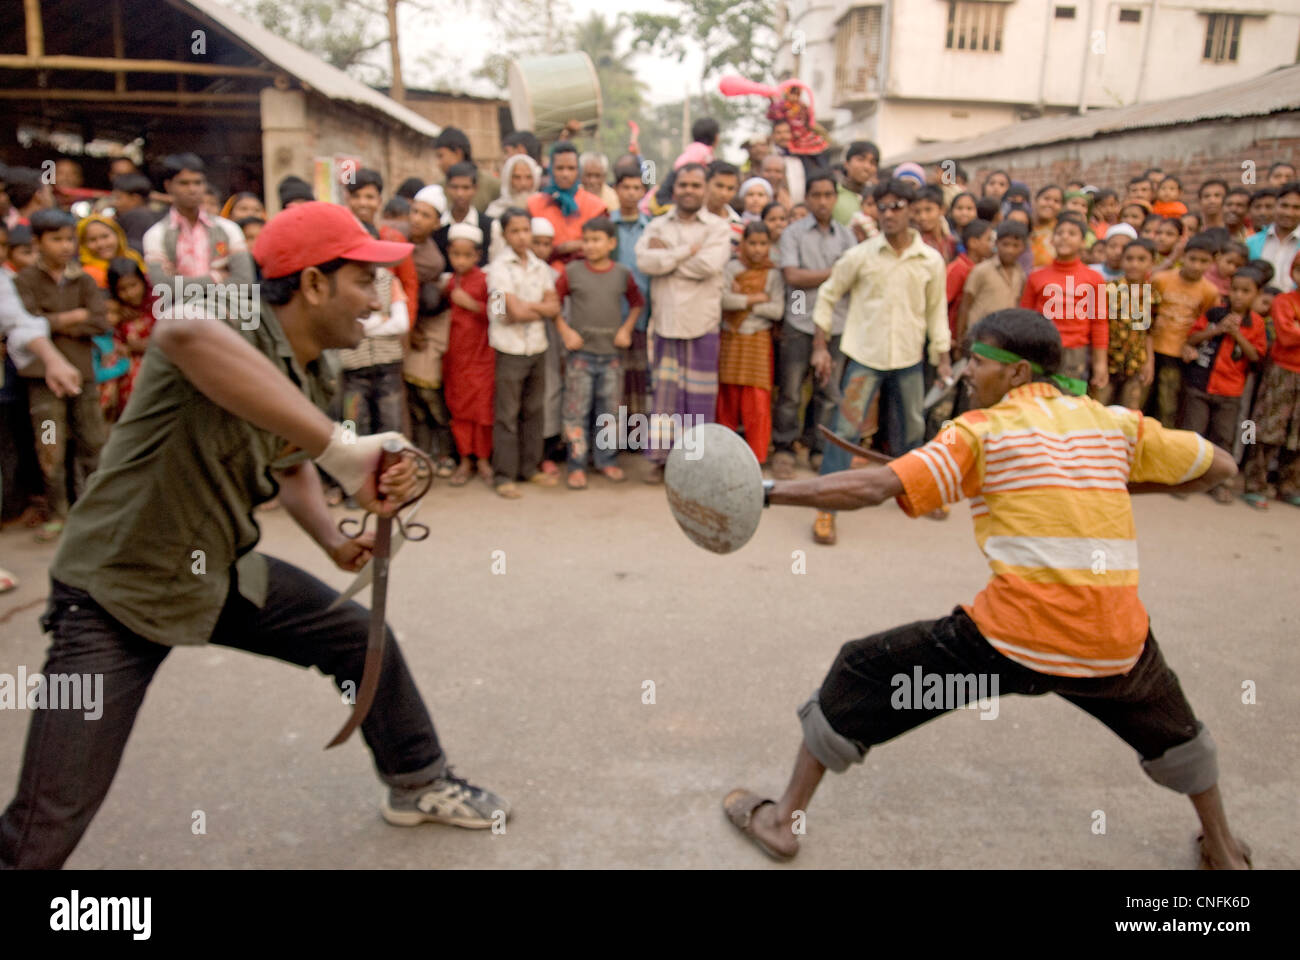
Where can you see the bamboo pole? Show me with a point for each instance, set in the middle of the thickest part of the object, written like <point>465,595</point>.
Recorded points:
<point>113,65</point>
<point>129,96</point>
<point>119,46</point>
<point>35,31</point>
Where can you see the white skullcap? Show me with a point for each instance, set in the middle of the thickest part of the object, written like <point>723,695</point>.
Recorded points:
<point>434,196</point>
<point>543,227</point>
<point>465,231</point>
<point>1121,230</point>
<point>753,182</point>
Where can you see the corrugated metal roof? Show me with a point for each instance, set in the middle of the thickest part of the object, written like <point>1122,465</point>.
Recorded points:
<point>309,69</point>
<point>1272,92</point>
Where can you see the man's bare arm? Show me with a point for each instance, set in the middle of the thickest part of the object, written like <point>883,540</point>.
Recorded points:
<point>230,372</point>
<point>304,499</point>
<point>842,490</point>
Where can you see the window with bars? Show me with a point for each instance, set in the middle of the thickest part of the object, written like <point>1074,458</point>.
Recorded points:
<point>857,53</point>
<point>1130,16</point>
<point>975,25</point>
<point>1222,36</point>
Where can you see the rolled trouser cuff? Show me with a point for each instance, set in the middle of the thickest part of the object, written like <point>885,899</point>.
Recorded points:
<point>1191,767</point>
<point>416,778</point>
<point>834,751</point>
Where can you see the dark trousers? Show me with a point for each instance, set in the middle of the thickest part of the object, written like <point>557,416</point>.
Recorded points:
<point>519,407</point>
<point>794,362</point>
<point>1212,416</point>
<point>71,760</point>
<point>374,399</point>
<point>1145,707</point>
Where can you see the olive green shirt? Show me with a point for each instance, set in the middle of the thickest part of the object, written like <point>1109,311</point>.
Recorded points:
<point>167,520</point>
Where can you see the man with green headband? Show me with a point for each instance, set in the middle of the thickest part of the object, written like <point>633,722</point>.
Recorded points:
<point>1048,473</point>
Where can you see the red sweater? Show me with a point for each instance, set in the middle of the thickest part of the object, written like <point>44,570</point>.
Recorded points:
<point>1286,329</point>
<point>1073,297</point>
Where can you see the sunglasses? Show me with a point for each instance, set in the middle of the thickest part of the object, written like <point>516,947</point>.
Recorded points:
<point>896,205</point>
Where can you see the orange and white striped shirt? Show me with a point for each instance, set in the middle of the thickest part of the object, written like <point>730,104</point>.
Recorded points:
<point>1047,476</point>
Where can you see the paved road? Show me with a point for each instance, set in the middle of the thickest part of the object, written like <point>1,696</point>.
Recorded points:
<point>535,678</point>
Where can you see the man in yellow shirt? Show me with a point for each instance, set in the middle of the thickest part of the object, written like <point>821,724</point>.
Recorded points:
<point>1048,474</point>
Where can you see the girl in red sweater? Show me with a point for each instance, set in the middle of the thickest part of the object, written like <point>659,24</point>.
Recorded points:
<point>1277,406</point>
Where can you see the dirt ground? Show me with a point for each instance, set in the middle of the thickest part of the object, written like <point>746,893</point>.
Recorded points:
<point>536,679</point>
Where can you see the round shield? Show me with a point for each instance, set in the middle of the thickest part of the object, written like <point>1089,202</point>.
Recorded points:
<point>715,487</point>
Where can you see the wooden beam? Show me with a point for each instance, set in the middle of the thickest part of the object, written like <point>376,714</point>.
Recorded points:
<point>129,96</point>
<point>234,113</point>
<point>119,46</point>
<point>35,31</point>
<point>113,65</point>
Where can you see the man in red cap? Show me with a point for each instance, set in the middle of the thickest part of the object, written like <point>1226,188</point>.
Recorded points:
<point>159,550</point>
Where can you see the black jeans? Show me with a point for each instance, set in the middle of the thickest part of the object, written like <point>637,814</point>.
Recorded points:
<point>794,362</point>
<point>865,703</point>
<point>70,760</point>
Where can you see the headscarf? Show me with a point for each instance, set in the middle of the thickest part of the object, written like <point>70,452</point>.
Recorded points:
<point>509,198</point>
<point>233,199</point>
<point>564,199</point>
<point>93,265</point>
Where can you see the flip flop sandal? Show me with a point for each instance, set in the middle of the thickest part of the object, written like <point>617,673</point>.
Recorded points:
<point>7,581</point>
<point>460,478</point>
<point>1256,500</point>
<point>50,532</point>
<point>739,806</point>
<point>1205,862</point>
<point>1222,496</point>
<point>446,467</point>
<point>613,474</point>
<point>577,480</point>
<point>1294,501</point>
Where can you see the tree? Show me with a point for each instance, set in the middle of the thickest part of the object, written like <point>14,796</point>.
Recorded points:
<point>729,33</point>
<point>622,94</point>
<point>527,28</point>
<point>343,32</point>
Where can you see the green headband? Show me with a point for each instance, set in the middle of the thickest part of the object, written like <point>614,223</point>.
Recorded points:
<point>990,352</point>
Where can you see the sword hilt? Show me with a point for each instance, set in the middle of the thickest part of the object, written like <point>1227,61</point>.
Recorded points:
<point>390,454</point>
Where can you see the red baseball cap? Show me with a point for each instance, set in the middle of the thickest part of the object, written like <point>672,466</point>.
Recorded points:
<point>308,234</point>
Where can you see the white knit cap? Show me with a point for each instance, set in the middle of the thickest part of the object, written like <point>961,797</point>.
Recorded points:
<point>1121,230</point>
<point>543,227</point>
<point>753,182</point>
<point>434,196</point>
<point>465,231</point>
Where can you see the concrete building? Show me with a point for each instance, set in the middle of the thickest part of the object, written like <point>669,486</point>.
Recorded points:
<point>907,72</point>
<point>1233,132</point>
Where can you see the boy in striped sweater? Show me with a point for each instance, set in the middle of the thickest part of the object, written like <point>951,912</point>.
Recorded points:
<point>1048,473</point>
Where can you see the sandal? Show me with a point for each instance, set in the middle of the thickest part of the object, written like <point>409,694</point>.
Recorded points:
<point>739,806</point>
<point>51,532</point>
<point>577,480</point>
<point>1222,495</point>
<point>462,474</point>
<point>446,466</point>
<point>613,474</point>
<point>544,479</point>
<point>1256,500</point>
<point>1205,863</point>
<point>508,490</point>
<point>7,581</point>
<point>1294,501</point>
<point>783,464</point>
<point>485,471</point>
<point>550,468</point>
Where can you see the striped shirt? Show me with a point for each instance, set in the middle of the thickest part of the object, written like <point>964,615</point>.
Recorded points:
<point>1047,476</point>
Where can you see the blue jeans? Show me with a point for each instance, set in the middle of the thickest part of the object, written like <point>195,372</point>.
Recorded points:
<point>902,395</point>
<point>593,384</point>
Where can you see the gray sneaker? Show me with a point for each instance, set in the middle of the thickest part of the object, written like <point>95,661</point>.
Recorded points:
<point>448,799</point>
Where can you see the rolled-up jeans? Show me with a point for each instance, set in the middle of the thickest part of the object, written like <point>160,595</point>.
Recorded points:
<point>72,757</point>
<point>374,399</point>
<point>902,402</point>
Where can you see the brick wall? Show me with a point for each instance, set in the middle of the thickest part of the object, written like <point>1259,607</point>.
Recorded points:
<point>1193,152</point>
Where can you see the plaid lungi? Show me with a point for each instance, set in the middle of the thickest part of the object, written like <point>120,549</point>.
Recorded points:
<point>1277,408</point>
<point>746,359</point>
<point>685,386</point>
<point>636,374</point>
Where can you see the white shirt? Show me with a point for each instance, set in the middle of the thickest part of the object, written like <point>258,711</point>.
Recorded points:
<point>527,278</point>
<point>1280,253</point>
<point>685,289</point>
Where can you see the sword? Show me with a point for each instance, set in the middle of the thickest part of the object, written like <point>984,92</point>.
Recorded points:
<point>380,557</point>
<point>367,574</point>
